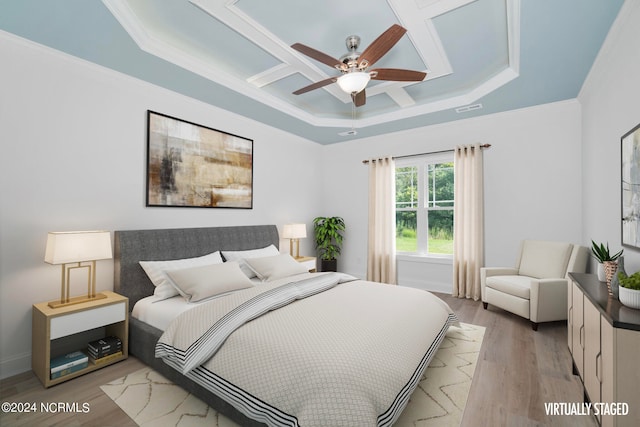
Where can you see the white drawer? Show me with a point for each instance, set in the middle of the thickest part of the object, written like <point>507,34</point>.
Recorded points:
<point>309,264</point>
<point>61,326</point>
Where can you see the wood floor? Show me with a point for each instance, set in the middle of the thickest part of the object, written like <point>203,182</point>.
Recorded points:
<point>518,371</point>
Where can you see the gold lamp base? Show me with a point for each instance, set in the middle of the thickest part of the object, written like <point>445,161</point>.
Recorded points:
<point>297,254</point>
<point>65,299</point>
<point>75,300</point>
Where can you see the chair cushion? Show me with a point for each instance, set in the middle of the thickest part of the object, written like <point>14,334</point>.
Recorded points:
<point>545,260</point>
<point>519,286</point>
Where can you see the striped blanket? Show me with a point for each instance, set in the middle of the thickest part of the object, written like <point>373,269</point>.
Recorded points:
<point>320,351</point>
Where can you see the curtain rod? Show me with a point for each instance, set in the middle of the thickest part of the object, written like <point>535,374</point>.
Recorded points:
<point>422,154</point>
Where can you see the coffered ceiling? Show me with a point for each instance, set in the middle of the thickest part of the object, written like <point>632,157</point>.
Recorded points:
<point>480,56</point>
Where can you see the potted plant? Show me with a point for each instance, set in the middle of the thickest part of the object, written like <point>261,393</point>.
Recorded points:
<point>328,240</point>
<point>606,262</point>
<point>630,289</point>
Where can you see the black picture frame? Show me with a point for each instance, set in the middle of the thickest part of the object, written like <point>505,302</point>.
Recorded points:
<point>190,165</point>
<point>630,188</point>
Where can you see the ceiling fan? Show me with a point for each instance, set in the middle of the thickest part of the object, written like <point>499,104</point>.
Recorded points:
<point>354,65</point>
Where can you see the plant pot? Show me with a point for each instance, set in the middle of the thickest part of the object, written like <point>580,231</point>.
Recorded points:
<point>615,282</point>
<point>630,297</point>
<point>328,265</point>
<point>610,268</point>
<point>601,276</point>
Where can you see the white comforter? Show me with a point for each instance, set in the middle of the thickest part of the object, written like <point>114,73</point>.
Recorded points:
<point>316,352</point>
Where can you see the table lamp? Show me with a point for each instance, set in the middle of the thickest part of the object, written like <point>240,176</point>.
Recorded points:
<point>77,250</point>
<point>294,232</point>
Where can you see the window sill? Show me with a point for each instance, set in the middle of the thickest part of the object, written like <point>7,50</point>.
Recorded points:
<point>427,259</point>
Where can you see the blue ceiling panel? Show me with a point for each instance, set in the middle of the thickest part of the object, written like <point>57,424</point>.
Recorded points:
<point>217,52</point>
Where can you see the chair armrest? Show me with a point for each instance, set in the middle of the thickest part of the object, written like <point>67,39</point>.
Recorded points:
<point>494,271</point>
<point>548,300</point>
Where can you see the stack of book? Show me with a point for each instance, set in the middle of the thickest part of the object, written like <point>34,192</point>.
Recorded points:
<point>68,363</point>
<point>104,350</point>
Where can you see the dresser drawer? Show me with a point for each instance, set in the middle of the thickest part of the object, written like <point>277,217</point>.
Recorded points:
<point>73,323</point>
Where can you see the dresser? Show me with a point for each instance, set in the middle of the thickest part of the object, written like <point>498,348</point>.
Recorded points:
<point>604,341</point>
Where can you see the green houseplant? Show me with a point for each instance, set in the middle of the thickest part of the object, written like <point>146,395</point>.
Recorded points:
<point>606,262</point>
<point>630,289</point>
<point>328,239</point>
<point>602,254</point>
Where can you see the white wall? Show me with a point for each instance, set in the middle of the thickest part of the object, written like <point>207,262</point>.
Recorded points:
<point>610,101</point>
<point>532,183</point>
<point>73,158</point>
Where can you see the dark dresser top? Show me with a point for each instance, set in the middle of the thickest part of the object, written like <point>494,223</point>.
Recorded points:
<point>611,309</point>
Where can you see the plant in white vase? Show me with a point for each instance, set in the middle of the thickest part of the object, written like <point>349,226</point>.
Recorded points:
<point>602,254</point>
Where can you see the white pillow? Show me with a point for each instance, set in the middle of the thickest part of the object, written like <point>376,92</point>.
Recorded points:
<point>241,256</point>
<point>198,283</point>
<point>276,267</point>
<point>156,270</point>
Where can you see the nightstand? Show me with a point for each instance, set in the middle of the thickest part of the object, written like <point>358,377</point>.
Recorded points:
<point>309,262</point>
<point>66,329</point>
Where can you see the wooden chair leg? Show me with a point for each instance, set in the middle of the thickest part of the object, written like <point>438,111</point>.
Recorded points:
<point>485,304</point>
<point>534,326</point>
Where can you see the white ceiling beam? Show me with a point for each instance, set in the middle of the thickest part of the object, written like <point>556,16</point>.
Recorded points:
<point>401,97</point>
<point>271,75</point>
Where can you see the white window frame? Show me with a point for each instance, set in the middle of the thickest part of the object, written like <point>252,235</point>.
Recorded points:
<point>422,210</point>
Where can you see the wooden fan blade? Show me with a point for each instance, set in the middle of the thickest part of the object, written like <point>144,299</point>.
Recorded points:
<point>317,55</point>
<point>360,98</point>
<point>316,85</point>
<point>397,74</point>
<point>381,45</point>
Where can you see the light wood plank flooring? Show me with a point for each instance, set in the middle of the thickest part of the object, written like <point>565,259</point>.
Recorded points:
<point>518,371</point>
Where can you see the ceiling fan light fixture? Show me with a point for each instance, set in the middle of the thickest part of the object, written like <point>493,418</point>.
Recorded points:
<point>352,82</point>
<point>354,65</point>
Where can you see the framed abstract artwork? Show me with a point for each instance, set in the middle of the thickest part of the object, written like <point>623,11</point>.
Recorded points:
<point>189,165</point>
<point>630,163</point>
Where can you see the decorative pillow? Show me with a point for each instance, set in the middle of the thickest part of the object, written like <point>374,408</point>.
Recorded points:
<point>198,283</point>
<point>157,272</point>
<point>241,256</point>
<point>276,267</point>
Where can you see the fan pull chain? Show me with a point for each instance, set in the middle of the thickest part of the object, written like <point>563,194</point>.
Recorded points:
<point>353,115</point>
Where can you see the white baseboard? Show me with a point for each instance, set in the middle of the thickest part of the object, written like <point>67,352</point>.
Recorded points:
<point>15,365</point>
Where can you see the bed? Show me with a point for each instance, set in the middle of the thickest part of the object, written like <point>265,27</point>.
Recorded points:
<point>299,369</point>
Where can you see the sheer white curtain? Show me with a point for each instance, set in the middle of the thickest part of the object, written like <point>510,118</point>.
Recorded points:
<point>381,256</point>
<point>468,227</point>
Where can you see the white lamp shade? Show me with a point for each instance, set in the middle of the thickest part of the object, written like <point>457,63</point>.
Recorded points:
<point>294,231</point>
<point>354,81</point>
<point>77,246</point>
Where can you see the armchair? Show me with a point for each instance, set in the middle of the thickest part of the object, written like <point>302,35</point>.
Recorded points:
<point>536,288</point>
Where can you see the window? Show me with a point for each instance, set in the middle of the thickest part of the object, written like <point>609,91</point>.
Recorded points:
<point>424,204</point>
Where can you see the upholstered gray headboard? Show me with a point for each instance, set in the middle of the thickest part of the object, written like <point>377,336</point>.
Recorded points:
<point>132,246</point>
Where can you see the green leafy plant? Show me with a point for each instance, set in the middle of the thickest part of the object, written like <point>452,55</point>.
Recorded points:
<point>328,236</point>
<point>630,282</point>
<point>601,252</point>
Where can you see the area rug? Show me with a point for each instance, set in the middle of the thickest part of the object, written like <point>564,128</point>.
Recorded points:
<point>439,400</point>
